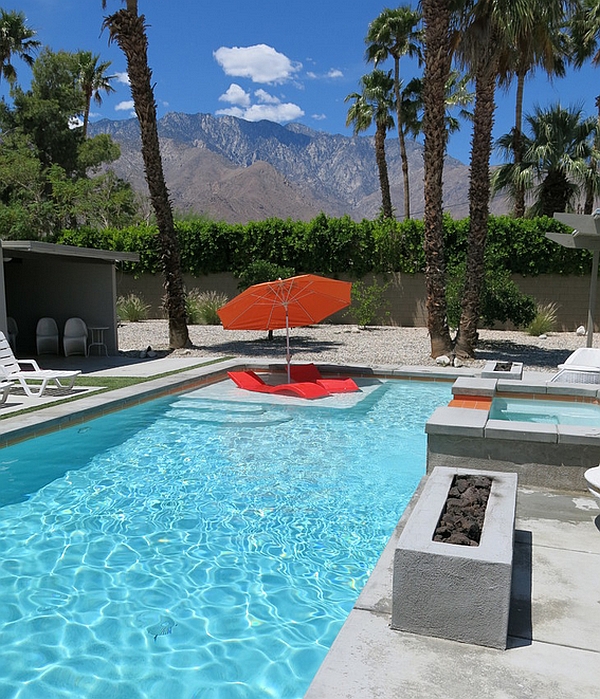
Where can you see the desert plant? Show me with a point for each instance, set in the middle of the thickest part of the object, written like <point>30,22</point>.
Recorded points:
<point>544,321</point>
<point>201,307</point>
<point>132,308</point>
<point>368,303</point>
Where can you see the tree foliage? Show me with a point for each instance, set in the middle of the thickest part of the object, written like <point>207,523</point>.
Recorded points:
<point>51,176</point>
<point>338,246</point>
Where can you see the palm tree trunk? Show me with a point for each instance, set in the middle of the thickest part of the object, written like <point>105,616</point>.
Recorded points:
<point>384,182</point>
<point>588,206</point>
<point>519,204</point>
<point>86,114</point>
<point>129,31</point>
<point>436,17</point>
<point>401,138</point>
<point>479,198</point>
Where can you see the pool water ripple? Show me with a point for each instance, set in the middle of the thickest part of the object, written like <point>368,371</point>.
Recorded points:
<point>199,557</point>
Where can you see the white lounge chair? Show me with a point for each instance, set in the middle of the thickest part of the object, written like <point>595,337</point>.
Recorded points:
<point>582,366</point>
<point>11,370</point>
<point>4,389</point>
<point>75,337</point>
<point>46,336</point>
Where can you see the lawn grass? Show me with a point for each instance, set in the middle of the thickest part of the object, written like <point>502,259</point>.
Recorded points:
<point>109,383</point>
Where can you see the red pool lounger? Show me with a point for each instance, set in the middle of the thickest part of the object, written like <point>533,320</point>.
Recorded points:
<point>309,372</point>
<point>251,381</point>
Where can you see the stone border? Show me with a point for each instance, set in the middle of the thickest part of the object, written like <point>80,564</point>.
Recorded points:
<point>543,455</point>
<point>461,593</point>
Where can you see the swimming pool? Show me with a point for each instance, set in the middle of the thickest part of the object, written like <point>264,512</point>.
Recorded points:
<point>554,412</point>
<point>193,548</point>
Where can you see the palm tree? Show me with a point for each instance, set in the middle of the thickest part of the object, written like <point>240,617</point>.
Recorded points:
<point>16,39</point>
<point>559,153</point>
<point>562,144</point>
<point>479,41</point>
<point>438,57</point>
<point>93,78</point>
<point>543,43</point>
<point>488,31</point>
<point>584,25</point>
<point>458,97</point>
<point>128,29</point>
<point>393,33</point>
<point>374,104</point>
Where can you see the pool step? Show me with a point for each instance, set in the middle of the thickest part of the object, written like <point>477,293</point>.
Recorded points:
<point>207,416</point>
<point>214,407</point>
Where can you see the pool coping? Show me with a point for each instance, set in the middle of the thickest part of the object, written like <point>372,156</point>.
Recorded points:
<point>462,433</point>
<point>63,414</point>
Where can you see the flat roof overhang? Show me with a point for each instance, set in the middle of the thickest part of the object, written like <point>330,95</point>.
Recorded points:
<point>35,247</point>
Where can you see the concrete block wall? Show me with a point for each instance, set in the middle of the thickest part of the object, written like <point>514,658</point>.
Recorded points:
<point>405,295</point>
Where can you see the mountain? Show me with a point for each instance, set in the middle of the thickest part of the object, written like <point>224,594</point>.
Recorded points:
<point>236,171</point>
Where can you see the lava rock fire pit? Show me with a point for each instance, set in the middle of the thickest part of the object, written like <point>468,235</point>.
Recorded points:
<point>502,370</point>
<point>460,590</point>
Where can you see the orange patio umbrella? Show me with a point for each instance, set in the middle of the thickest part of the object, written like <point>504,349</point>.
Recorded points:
<point>285,303</point>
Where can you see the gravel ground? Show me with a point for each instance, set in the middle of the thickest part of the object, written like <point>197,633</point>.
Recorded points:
<point>346,344</point>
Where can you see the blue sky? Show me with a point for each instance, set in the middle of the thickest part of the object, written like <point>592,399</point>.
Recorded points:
<point>265,59</point>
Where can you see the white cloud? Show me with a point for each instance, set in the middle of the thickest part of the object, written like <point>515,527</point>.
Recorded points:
<point>231,111</point>
<point>125,106</point>
<point>332,74</point>
<point>122,78</point>
<point>260,63</point>
<point>236,95</point>
<point>319,117</point>
<point>265,98</point>
<point>279,113</point>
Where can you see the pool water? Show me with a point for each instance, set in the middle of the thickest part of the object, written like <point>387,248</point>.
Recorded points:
<point>195,549</point>
<point>546,411</point>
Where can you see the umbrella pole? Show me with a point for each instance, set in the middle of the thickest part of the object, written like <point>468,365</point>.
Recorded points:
<point>592,299</point>
<point>287,344</point>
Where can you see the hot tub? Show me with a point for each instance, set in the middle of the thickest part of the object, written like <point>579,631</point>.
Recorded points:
<point>553,412</point>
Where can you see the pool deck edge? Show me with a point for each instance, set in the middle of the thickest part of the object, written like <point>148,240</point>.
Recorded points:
<point>60,414</point>
<point>554,645</point>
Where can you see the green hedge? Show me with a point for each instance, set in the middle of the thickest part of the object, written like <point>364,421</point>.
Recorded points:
<point>334,246</point>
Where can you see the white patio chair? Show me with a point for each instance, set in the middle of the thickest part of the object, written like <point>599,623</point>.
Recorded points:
<point>75,337</point>
<point>11,370</point>
<point>581,366</point>
<point>46,336</point>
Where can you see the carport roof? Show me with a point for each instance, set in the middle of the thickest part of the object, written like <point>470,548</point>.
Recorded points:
<point>40,248</point>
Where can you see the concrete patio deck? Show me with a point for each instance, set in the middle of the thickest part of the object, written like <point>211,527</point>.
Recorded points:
<point>554,628</point>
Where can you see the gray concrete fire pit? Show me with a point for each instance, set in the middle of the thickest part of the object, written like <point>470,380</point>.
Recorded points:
<point>502,370</point>
<point>459,592</point>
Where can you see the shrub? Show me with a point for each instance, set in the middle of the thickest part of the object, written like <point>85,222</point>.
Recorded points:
<point>262,271</point>
<point>132,308</point>
<point>201,307</point>
<point>501,299</point>
<point>368,303</point>
<point>544,321</point>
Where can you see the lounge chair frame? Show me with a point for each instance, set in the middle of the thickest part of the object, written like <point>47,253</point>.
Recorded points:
<point>12,370</point>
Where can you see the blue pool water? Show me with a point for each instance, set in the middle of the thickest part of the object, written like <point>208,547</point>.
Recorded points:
<point>196,549</point>
<point>546,411</point>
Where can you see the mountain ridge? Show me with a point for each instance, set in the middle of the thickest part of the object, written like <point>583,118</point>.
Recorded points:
<point>235,170</point>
